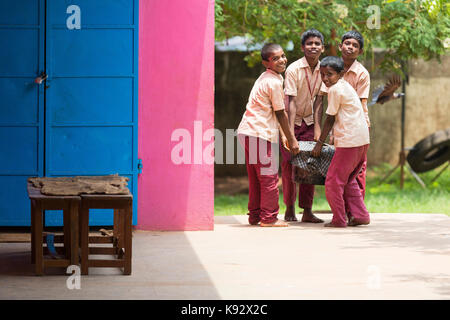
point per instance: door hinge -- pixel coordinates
(139, 166)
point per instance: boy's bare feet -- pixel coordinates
(277, 223)
(308, 216)
(289, 215)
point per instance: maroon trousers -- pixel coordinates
(341, 189)
(263, 192)
(306, 191)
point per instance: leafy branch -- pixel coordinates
(408, 29)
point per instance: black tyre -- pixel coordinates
(430, 152)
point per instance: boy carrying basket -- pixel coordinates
(258, 133)
(345, 115)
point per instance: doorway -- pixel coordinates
(82, 118)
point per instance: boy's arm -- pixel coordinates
(284, 141)
(329, 122)
(291, 110)
(334, 103)
(366, 111)
(290, 91)
(362, 89)
(284, 124)
(318, 112)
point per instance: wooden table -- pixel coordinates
(121, 239)
(70, 206)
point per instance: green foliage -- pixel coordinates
(408, 28)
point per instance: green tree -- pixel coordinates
(407, 29)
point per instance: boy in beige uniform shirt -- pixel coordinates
(301, 87)
(258, 133)
(345, 114)
(358, 77)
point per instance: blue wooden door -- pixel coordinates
(22, 38)
(91, 106)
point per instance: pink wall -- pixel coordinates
(176, 83)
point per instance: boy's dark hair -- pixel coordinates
(336, 63)
(311, 33)
(353, 34)
(267, 50)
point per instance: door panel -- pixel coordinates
(22, 32)
(21, 12)
(19, 97)
(90, 150)
(22, 46)
(83, 105)
(92, 52)
(87, 124)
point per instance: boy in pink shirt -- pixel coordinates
(258, 133)
(345, 114)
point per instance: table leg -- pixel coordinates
(84, 239)
(74, 207)
(118, 231)
(33, 226)
(127, 238)
(39, 254)
(66, 230)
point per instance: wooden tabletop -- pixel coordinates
(35, 193)
(92, 187)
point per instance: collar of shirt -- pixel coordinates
(275, 73)
(354, 67)
(339, 83)
(304, 64)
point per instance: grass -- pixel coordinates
(386, 197)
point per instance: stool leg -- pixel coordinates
(66, 230)
(127, 238)
(33, 226)
(74, 207)
(84, 239)
(118, 230)
(39, 253)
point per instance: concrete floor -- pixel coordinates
(398, 256)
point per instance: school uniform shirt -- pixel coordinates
(266, 97)
(350, 127)
(303, 85)
(359, 79)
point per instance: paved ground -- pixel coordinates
(398, 256)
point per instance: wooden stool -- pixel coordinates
(121, 238)
(70, 206)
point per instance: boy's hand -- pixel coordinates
(295, 148)
(317, 150)
(284, 143)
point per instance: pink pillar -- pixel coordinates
(176, 83)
